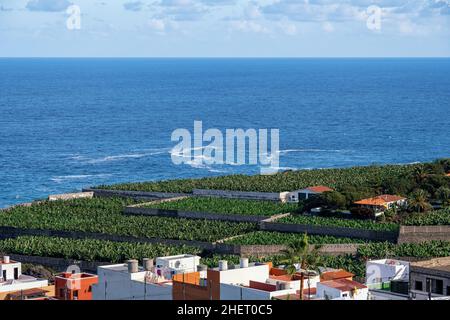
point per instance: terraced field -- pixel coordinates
(226, 206)
(359, 177)
(89, 249)
(104, 215)
(337, 222)
(438, 217)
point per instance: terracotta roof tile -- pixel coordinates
(319, 189)
(344, 284)
(334, 275)
(380, 200)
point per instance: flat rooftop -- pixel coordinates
(238, 266)
(177, 257)
(440, 264)
(123, 267)
(10, 261)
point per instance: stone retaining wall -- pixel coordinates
(134, 194)
(70, 196)
(134, 210)
(58, 264)
(250, 195)
(423, 233)
(258, 250)
(331, 231)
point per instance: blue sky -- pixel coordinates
(225, 28)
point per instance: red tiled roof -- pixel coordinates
(344, 284)
(335, 275)
(380, 200)
(319, 189)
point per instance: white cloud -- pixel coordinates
(161, 26)
(288, 28)
(249, 26)
(327, 27)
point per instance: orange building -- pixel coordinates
(74, 286)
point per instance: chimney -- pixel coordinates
(147, 263)
(243, 262)
(132, 266)
(223, 265)
(6, 259)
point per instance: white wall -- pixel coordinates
(233, 292)
(24, 285)
(244, 275)
(9, 268)
(378, 271)
(116, 285)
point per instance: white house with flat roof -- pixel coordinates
(384, 271)
(12, 279)
(171, 265)
(129, 281)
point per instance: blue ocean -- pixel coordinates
(66, 124)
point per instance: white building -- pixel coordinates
(383, 271)
(12, 279)
(304, 194)
(254, 282)
(342, 289)
(128, 281)
(171, 265)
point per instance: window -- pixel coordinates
(75, 294)
(16, 273)
(90, 289)
(4, 275)
(448, 290)
(418, 285)
(435, 286)
(344, 295)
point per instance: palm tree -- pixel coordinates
(419, 174)
(299, 252)
(418, 201)
(443, 194)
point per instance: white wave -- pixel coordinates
(286, 151)
(119, 157)
(59, 179)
